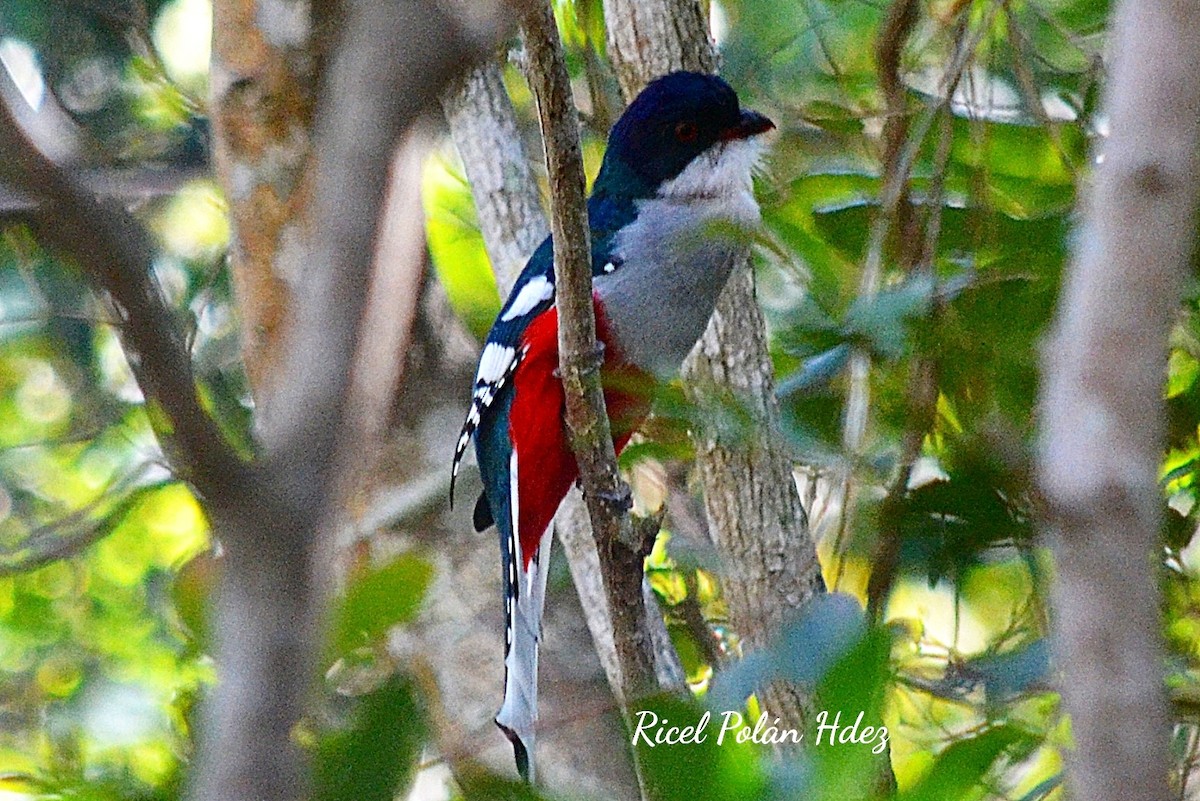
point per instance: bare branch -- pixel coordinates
(397, 274)
(608, 497)
(893, 37)
(917, 256)
(1103, 418)
(902, 143)
(126, 185)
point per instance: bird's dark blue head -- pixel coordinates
(674, 119)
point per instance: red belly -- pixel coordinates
(546, 467)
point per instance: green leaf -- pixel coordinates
(807, 647)
(379, 600)
(883, 321)
(961, 768)
(477, 785)
(456, 246)
(1010, 673)
(374, 756)
(717, 767)
(853, 687)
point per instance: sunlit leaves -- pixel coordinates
(959, 771)
(456, 247)
(675, 764)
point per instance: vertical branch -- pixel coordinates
(893, 36)
(1102, 405)
(389, 319)
(580, 357)
(754, 510)
(917, 256)
(483, 124)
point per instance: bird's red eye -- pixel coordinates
(686, 132)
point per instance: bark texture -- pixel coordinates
(264, 91)
(1102, 408)
(755, 515)
(484, 128)
(649, 39)
(753, 507)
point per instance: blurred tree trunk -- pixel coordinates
(754, 511)
(1103, 420)
(263, 104)
(307, 175)
(263, 100)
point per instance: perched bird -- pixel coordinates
(669, 213)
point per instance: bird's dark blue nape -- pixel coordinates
(674, 119)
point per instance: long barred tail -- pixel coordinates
(523, 629)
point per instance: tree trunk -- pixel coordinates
(1102, 406)
(313, 261)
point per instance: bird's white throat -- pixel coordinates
(723, 172)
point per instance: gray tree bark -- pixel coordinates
(484, 128)
(1102, 409)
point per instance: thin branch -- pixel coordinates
(896, 175)
(77, 531)
(898, 26)
(921, 393)
(124, 184)
(608, 497)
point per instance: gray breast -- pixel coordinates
(674, 261)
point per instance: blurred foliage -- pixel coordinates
(105, 563)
